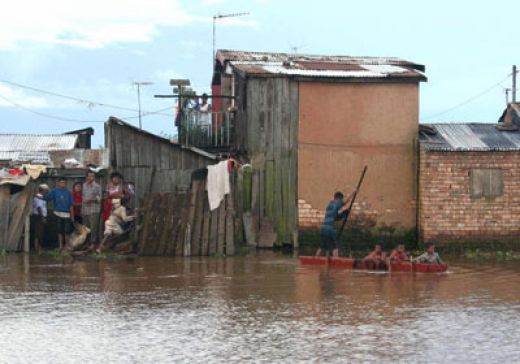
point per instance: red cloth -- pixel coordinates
(77, 199)
(107, 209)
(230, 166)
(15, 172)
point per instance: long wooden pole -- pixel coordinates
(347, 214)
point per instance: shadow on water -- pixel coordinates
(260, 307)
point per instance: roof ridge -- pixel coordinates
(392, 58)
(39, 135)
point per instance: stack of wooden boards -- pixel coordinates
(181, 224)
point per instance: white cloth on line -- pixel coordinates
(218, 184)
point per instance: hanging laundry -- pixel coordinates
(72, 163)
(218, 184)
(34, 170)
(15, 172)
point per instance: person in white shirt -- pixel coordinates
(39, 217)
(205, 112)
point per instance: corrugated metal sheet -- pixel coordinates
(34, 148)
(26, 157)
(469, 137)
(314, 66)
(36, 143)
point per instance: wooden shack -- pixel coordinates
(308, 124)
(153, 163)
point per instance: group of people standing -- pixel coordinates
(87, 204)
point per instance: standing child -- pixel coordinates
(77, 200)
(39, 217)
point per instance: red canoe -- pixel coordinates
(430, 268)
(313, 260)
(349, 263)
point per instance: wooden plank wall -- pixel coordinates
(151, 162)
(268, 128)
(180, 223)
(5, 199)
(14, 209)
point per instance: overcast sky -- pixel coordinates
(93, 50)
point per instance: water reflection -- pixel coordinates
(262, 308)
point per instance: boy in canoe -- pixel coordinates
(336, 210)
(376, 259)
(399, 254)
(430, 256)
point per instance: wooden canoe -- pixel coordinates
(349, 263)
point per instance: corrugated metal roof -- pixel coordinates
(34, 148)
(314, 66)
(36, 143)
(469, 137)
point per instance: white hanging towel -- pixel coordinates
(218, 184)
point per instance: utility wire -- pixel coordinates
(47, 115)
(84, 101)
(467, 101)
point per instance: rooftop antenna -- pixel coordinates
(139, 84)
(294, 49)
(513, 91)
(217, 17)
(506, 90)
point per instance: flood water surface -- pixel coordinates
(264, 308)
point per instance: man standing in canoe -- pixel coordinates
(430, 256)
(336, 210)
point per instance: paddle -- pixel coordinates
(347, 214)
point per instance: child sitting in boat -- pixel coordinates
(399, 254)
(376, 259)
(430, 256)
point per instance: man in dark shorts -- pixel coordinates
(335, 211)
(63, 208)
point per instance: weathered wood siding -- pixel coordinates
(267, 129)
(153, 163)
(182, 224)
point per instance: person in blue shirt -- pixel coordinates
(61, 199)
(336, 210)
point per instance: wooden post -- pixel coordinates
(5, 198)
(27, 235)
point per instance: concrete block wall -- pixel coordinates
(447, 212)
(308, 216)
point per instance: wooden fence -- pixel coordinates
(181, 223)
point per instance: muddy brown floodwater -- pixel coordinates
(263, 308)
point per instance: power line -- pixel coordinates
(90, 103)
(45, 115)
(49, 116)
(467, 101)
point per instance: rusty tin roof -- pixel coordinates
(320, 66)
